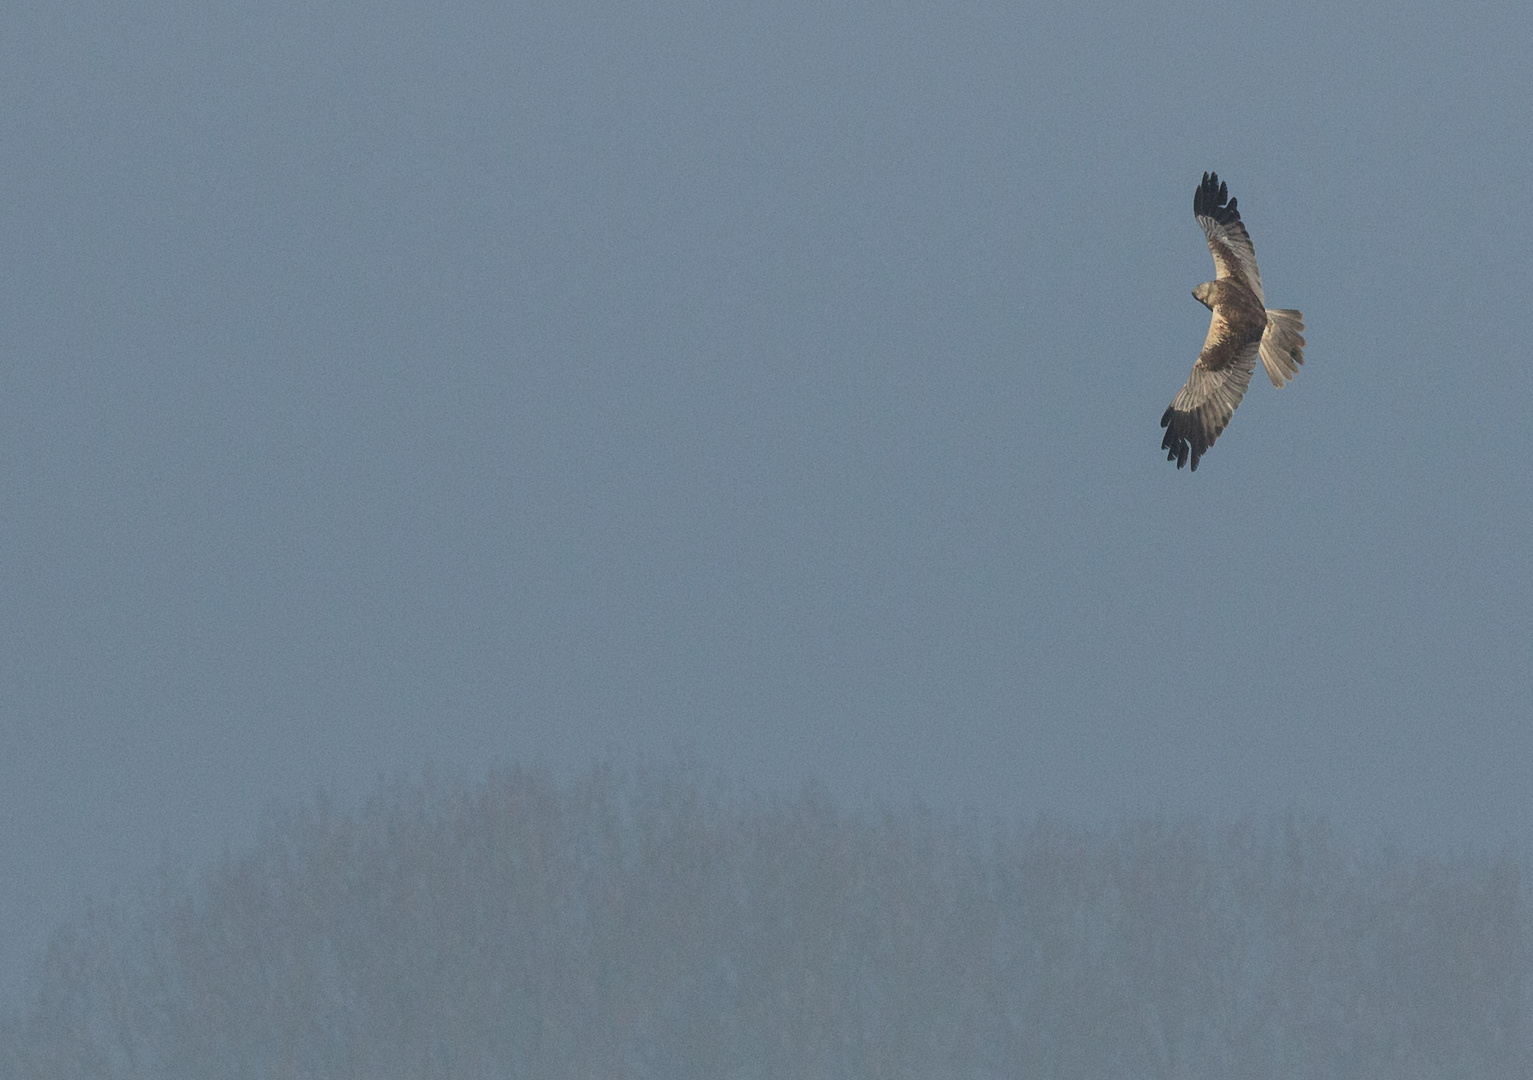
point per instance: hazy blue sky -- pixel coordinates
(776, 383)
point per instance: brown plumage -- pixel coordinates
(1241, 331)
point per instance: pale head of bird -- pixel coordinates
(1204, 294)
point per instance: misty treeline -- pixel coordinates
(646, 924)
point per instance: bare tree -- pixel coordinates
(641, 924)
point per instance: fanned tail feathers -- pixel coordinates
(1282, 348)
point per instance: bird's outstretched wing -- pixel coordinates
(1203, 407)
(1234, 256)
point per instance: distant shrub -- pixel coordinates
(635, 925)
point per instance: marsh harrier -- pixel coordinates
(1241, 330)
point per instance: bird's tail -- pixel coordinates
(1282, 347)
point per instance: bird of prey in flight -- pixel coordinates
(1242, 329)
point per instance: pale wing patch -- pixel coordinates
(1203, 407)
(1233, 254)
(1210, 355)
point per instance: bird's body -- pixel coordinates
(1241, 331)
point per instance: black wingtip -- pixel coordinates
(1185, 442)
(1210, 198)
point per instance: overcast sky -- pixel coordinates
(776, 384)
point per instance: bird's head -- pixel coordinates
(1204, 294)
